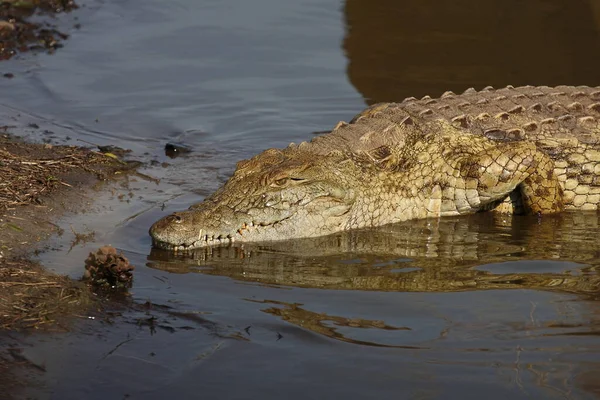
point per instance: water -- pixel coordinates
(469, 307)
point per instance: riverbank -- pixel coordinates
(19, 34)
(40, 184)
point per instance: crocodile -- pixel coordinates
(519, 150)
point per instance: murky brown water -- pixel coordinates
(478, 307)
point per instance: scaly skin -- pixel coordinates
(516, 150)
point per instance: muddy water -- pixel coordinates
(470, 307)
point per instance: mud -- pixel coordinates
(40, 183)
(18, 34)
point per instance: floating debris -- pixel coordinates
(107, 269)
(174, 150)
(109, 149)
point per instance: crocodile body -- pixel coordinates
(516, 150)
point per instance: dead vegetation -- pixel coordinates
(38, 184)
(80, 238)
(108, 270)
(31, 172)
(32, 298)
(35, 180)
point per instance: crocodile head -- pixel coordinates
(277, 195)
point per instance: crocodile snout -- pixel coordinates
(166, 222)
(168, 228)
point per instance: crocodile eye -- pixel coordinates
(286, 181)
(281, 182)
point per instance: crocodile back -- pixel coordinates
(562, 121)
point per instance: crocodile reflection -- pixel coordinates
(423, 255)
(316, 322)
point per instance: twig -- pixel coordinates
(51, 284)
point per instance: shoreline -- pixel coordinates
(18, 34)
(41, 184)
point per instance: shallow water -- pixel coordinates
(473, 307)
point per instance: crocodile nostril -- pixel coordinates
(175, 218)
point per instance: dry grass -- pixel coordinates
(30, 174)
(27, 177)
(31, 297)
(38, 184)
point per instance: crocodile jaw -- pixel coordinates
(205, 225)
(175, 232)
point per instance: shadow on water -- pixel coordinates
(483, 251)
(407, 48)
